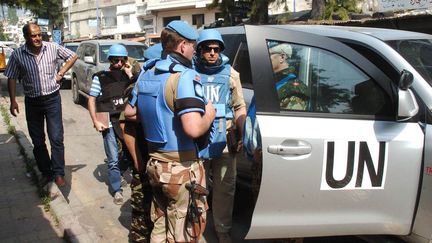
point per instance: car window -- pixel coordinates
(72, 48)
(80, 51)
(241, 64)
(90, 50)
(316, 80)
(136, 51)
(417, 53)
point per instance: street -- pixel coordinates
(87, 186)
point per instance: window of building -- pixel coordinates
(218, 16)
(198, 20)
(126, 19)
(166, 20)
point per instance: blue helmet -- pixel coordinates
(154, 51)
(117, 50)
(183, 29)
(211, 35)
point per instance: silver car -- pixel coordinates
(92, 58)
(355, 159)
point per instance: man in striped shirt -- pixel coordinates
(35, 64)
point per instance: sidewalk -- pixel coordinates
(23, 217)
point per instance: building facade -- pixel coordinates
(122, 19)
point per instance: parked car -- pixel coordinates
(356, 159)
(10, 44)
(67, 77)
(92, 58)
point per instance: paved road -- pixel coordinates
(87, 187)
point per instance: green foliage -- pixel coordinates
(12, 16)
(47, 9)
(226, 7)
(3, 36)
(340, 9)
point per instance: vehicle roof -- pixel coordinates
(111, 42)
(351, 32)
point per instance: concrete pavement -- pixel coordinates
(23, 216)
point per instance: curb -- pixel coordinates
(73, 231)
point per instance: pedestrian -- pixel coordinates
(174, 115)
(222, 86)
(35, 64)
(141, 194)
(106, 97)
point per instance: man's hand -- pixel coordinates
(59, 77)
(210, 111)
(14, 107)
(99, 126)
(128, 70)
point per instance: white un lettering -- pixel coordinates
(212, 93)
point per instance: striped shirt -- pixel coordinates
(37, 72)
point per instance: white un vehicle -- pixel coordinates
(356, 159)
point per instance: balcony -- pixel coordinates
(176, 4)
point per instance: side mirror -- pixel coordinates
(406, 79)
(89, 59)
(407, 104)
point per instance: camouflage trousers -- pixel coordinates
(141, 198)
(170, 210)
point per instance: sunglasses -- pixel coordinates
(116, 60)
(209, 49)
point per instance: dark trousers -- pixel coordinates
(38, 110)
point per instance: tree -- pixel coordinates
(333, 9)
(318, 9)
(48, 9)
(340, 9)
(12, 15)
(3, 36)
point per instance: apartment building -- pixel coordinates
(132, 18)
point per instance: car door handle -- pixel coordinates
(290, 148)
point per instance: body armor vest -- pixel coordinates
(162, 128)
(217, 89)
(113, 83)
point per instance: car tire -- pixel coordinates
(75, 92)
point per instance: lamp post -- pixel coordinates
(69, 19)
(97, 19)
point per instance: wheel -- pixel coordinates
(75, 93)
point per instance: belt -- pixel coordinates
(43, 97)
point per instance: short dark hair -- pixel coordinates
(170, 40)
(26, 29)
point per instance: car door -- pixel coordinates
(335, 160)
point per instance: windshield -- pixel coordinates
(418, 53)
(72, 48)
(134, 51)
